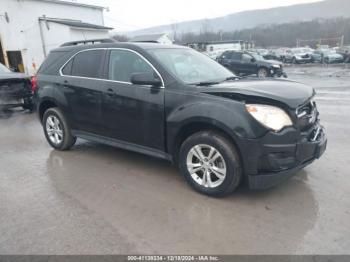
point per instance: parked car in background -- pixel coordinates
(261, 51)
(214, 54)
(327, 56)
(177, 104)
(298, 56)
(272, 55)
(15, 90)
(345, 52)
(246, 63)
(317, 56)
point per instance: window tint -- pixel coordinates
(122, 64)
(67, 69)
(87, 64)
(53, 63)
(236, 56)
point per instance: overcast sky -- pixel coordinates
(129, 15)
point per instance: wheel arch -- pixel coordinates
(193, 127)
(45, 105)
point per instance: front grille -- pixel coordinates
(307, 115)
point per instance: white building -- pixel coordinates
(153, 38)
(29, 29)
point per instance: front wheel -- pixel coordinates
(210, 164)
(56, 129)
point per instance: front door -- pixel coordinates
(249, 65)
(132, 113)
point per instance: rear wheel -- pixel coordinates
(210, 164)
(56, 129)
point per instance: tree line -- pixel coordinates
(270, 35)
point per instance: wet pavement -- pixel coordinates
(97, 199)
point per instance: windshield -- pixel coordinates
(190, 66)
(4, 69)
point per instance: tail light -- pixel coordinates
(34, 82)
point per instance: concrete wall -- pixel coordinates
(22, 31)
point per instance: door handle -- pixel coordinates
(110, 92)
(65, 84)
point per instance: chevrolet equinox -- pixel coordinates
(177, 104)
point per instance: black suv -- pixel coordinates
(174, 103)
(245, 63)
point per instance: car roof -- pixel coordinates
(129, 45)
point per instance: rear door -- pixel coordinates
(82, 89)
(235, 62)
(132, 113)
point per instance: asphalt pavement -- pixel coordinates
(97, 199)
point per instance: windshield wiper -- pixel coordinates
(206, 83)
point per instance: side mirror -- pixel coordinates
(147, 79)
(253, 60)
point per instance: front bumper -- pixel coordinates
(274, 158)
(274, 71)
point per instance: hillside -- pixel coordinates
(250, 19)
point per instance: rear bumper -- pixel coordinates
(270, 160)
(11, 101)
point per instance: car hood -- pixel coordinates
(290, 93)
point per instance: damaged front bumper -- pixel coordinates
(274, 158)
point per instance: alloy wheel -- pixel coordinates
(54, 129)
(206, 166)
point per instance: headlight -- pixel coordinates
(270, 116)
(276, 66)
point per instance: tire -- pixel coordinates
(205, 141)
(55, 121)
(263, 72)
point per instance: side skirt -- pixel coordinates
(123, 145)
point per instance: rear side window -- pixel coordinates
(67, 70)
(85, 64)
(53, 62)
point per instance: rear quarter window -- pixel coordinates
(53, 62)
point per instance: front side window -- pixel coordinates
(85, 64)
(246, 58)
(190, 66)
(123, 64)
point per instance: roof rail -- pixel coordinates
(90, 41)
